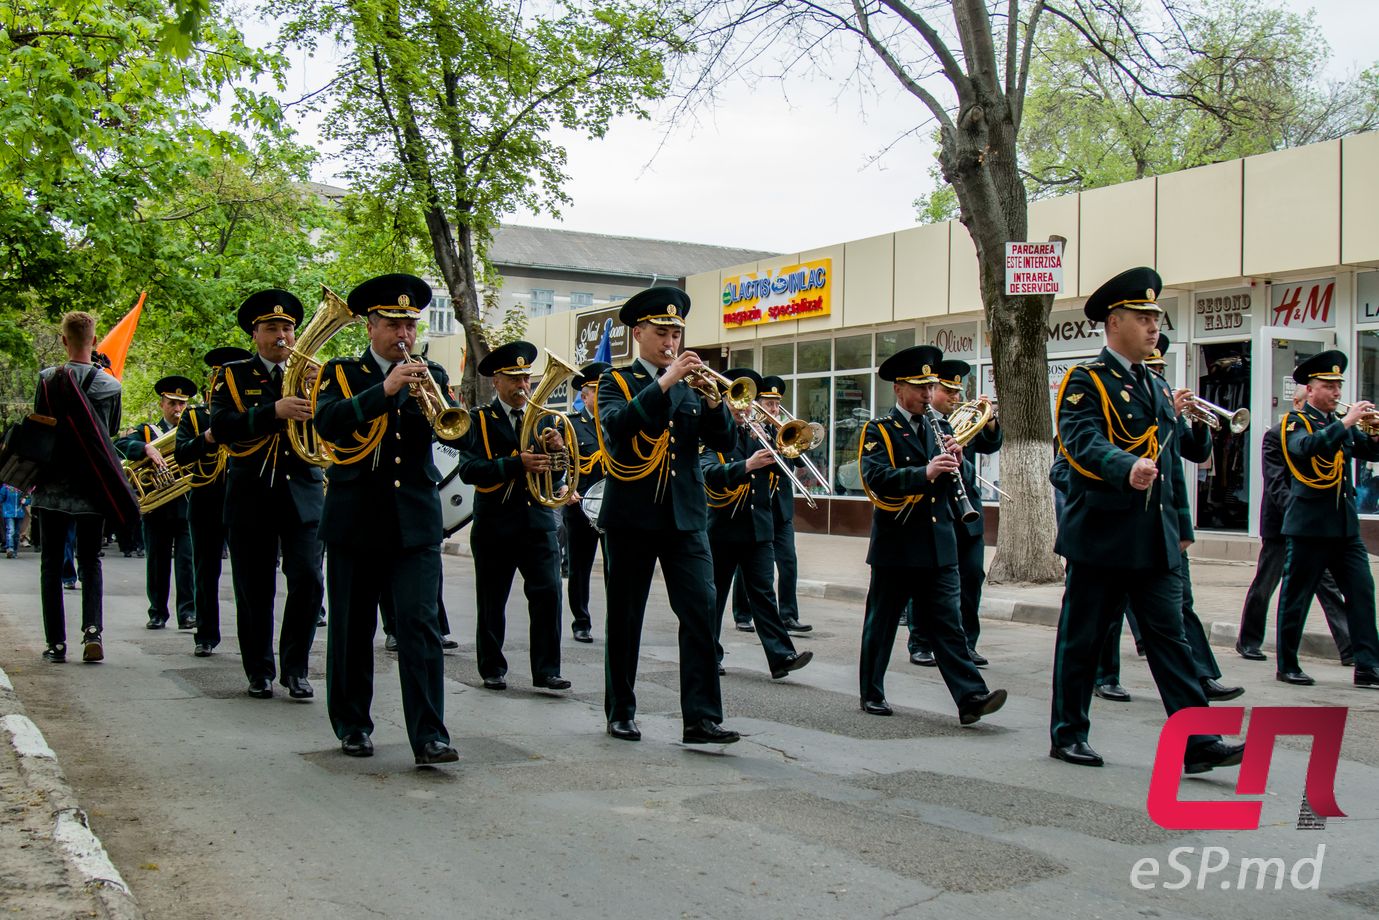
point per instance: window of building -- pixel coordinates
(1366, 371)
(742, 357)
(581, 299)
(542, 302)
(852, 351)
(815, 356)
(888, 343)
(440, 318)
(778, 359)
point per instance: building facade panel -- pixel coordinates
(964, 286)
(1359, 194)
(868, 295)
(1292, 210)
(1059, 217)
(1117, 231)
(921, 272)
(1188, 247)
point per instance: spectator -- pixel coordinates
(12, 507)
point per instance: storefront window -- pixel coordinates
(814, 356)
(778, 360)
(742, 357)
(852, 351)
(1223, 480)
(888, 343)
(1366, 371)
(812, 403)
(851, 410)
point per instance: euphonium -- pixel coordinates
(542, 485)
(330, 317)
(156, 487)
(449, 422)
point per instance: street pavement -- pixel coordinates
(212, 804)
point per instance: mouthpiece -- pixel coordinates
(668, 352)
(281, 342)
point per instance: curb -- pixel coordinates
(71, 831)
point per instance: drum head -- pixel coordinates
(457, 498)
(592, 501)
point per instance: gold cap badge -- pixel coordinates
(521, 361)
(1149, 294)
(1335, 368)
(926, 370)
(670, 309)
(403, 300)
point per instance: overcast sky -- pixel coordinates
(765, 171)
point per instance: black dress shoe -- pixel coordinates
(582, 635)
(977, 658)
(722, 670)
(495, 683)
(1347, 661)
(357, 744)
(156, 623)
(745, 626)
(433, 752)
(924, 658)
(793, 663)
(795, 626)
(448, 643)
(1297, 678)
(1114, 693)
(625, 730)
(261, 688)
(1216, 754)
(551, 682)
(708, 732)
(877, 708)
(299, 688)
(320, 619)
(1367, 678)
(980, 704)
(202, 650)
(1250, 652)
(186, 624)
(1218, 692)
(1080, 754)
(390, 643)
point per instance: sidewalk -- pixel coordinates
(54, 865)
(836, 567)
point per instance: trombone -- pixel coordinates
(795, 436)
(1211, 414)
(766, 440)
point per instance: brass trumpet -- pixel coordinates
(449, 422)
(741, 394)
(1368, 423)
(1211, 414)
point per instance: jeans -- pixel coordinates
(88, 530)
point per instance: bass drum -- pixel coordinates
(591, 501)
(457, 498)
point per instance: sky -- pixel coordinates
(779, 167)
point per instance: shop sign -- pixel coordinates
(1303, 305)
(955, 340)
(589, 329)
(1034, 268)
(1367, 288)
(1222, 312)
(790, 293)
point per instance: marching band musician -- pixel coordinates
(197, 449)
(382, 521)
(512, 532)
(273, 497)
(579, 531)
(1320, 522)
(783, 518)
(166, 538)
(1120, 529)
(909, 474)
(742, 536)
(971, 536)
(652, 424)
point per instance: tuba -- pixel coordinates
(542, 485)
(330, 317)
(156, 487)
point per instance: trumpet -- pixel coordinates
(449, 422)
(1211, 415)
(1368, 423)
(741, 394)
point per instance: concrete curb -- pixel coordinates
(71, 831)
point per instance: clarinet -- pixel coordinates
(940, 427)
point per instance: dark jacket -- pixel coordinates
(206, 500)
(85, 475)
(1105, 521)
(985, 441)
(1328, 511)
(489, 462)
(893, 467)
(586, 432)
(740, 502)
(640, 420)
(1278, 486)
(132, 447)
(267, 475)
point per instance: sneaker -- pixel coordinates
(91, 648)
(56, 653)
(70, 585)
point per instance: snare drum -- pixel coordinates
(457, 498)
(591, 501)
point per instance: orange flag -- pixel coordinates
(115, 345)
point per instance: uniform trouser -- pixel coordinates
(1268, 573)
(387, 608)
(972, 575)
(254, 543)
(358, 580)
(787, 573)
(168, 544)
(582, 540)
(1346, 559)
(687, 566)
(933, 594)
(1093, 598)
(537, 557)
(90, 531)
(754, 565)
(1193, 631)
(1108, 665)
(208, 541)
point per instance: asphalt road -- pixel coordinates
(216, 805)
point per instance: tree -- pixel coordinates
(446, 108)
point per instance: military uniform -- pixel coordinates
(511, 532)
(1322, 529)
(167, 540)
(580, 534)
(206, 506)
(382, 524)
(273, 501)
(655, 510)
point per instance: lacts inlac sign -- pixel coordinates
(792, 292)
